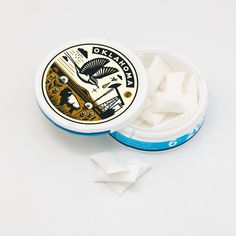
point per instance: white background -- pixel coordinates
(46, 186)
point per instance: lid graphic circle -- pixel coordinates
(90, 87)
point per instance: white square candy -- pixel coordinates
(108, 163)
(156, 73)
(117, 175)
(174, 82)
(172, 103)
(150, 117)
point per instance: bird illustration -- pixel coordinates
(92, 70)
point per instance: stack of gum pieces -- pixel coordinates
(119, 176)
(173, 94)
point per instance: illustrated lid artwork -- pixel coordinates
(89, 83)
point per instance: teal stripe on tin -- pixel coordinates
(156, 146)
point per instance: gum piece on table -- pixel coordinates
(127, 176)
(121, 187)
(108, 163)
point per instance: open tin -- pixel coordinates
(94, 87)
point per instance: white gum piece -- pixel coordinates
(127, 176)
(172, 120)
(172, 103)
(143, 167)
(174, 82)
(118, 187)
(162, 86)
(192, 89)
(146, 115)
(148, 103)
(156, 73)
(146, 59)
(150, 117)
(170, 116)
(157, 118)
(108, 163)
(121, 187)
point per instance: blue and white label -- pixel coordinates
(156, 146)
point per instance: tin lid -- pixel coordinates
(91, 86)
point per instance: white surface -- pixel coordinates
(45, 175)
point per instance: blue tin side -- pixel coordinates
(76, 133)
(156, 146)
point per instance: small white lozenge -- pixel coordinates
(172, 103)
(156, 73)
(148, 103)
(174, 82)
(117, 174)
(151, 117)
(191, 89)
(146, 59)
(127, 176)
(108, 163)
(119, 186)
(137, 122)
(172, 119)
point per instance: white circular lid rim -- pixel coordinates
(110, 126)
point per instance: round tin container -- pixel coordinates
(161, 138)
(96, 87)
(91, 87)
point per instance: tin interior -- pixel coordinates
(176, 63)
